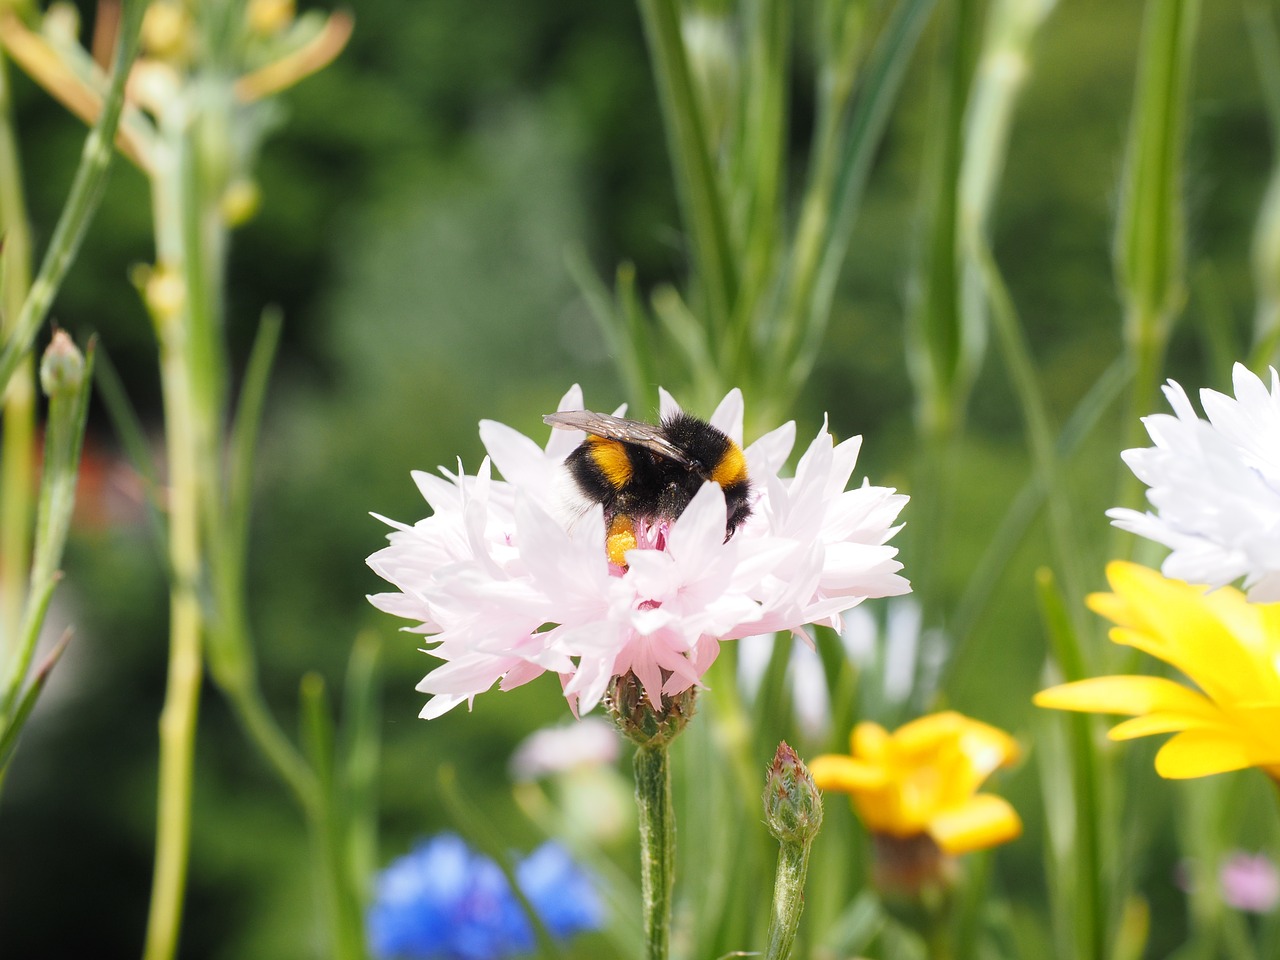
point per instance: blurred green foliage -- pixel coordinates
(420, 197)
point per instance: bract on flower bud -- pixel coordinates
(636, 716)
(61, 367)
(792, 803)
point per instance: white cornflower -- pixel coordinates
(1214, 486)
(507, 586)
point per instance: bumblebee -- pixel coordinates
(643, 471)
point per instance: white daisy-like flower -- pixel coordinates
(1214, 486)
(507, 585)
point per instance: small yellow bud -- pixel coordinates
(166, 30)
(163, 290)
(240, 202)
(268, 17)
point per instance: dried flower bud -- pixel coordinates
(61, 367)
(792, 803)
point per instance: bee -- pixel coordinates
(642, 472)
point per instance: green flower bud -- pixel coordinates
(62, 367)
(637, 718)
(792, 803)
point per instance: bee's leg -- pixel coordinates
(620, 538)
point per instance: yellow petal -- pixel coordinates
(924, 733)
(869, 741)
(1199, 753)
(1154, 723)
(983, 821)
(846, 774)
(1193, 630)
(1128, 695)
(883, 811)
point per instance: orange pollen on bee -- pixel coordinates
(732, 467)
(620, 539)
(610, 456)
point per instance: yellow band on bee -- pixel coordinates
(612, 459)
(732, 467)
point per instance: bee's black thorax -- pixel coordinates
(631, 479)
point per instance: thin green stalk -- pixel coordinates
(802, 336)
(1026, 506)
(1040, 435)
(82, 203)
(480, 831)
(186, 627)
(1092, 895)
(940, 358)
(699, 193)
(1150, 231)
(17, 459)
(657, 846)
(761, 159)
(65, 375)
(187, 435)
(329, 834)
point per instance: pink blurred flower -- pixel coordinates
(509, 584)
(1249, 882)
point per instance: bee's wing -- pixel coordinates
(638, 432)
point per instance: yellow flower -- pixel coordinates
(1228, 647)
(922, 780)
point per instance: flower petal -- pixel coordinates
(846, 774)
(985, 820)
(1199, 753)
(1127, 695)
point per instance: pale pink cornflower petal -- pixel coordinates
(728, 416)
(588, 742)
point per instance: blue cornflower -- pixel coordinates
(444, 902)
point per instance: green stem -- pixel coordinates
(17, 464)
(788, 898)
(862, 135)
(263, 731)
(699, 193)
(1040, 434)
(182, 693)
(328, 825)
(657, 846)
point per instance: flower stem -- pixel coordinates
(17, 465)
(657, 846)
(182, 693)
(788, 898)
